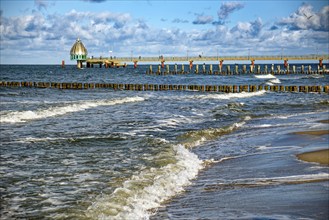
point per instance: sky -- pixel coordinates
(43, 31)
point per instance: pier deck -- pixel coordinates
(217, 58)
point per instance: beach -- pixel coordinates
(320, 156)
(267, 184)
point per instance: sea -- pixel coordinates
(119, 154)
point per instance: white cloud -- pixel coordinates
(305, 18)
(42, 34)
(203, 19)
(178, 20)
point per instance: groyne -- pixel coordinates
(168, 87)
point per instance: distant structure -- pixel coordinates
(79, 53)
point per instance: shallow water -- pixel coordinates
(104, 154)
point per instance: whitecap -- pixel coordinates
(24, 116)
(275, 81)
(267, 76)
(231, 95)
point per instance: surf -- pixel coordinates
(25, 116)
(267, 76)
(230, 95)
(195, 138)
(143, 193)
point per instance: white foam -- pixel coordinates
(231, 95)
(173, 122)
(24, 116)
(316, 76)
(143, 193)
(286, 116)
(55, 139)
(267, 76)
(275, 81)
(201, 136)
(289, 179)
(263, 148)
(295, 179)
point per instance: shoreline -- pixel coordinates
(315, 132)
(317, 156)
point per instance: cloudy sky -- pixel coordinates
(43, 31)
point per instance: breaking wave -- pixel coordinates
(267, 76)
(143, 193)
(195, 138)
(24, 116)
(230, 95)
(273, 81)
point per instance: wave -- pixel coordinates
(261, 182)
(267, 76)
(273, 81)
(24, 116)
(116, 136)
(313, 76)
(173, 122)
(195, 138)
(142, 194)
(230, 95)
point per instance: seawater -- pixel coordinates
(105, 154)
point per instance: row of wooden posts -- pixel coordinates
(157, 87)
(255, 69)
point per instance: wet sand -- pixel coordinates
(320, 156)
(315, 133)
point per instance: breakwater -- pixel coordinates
(166, 87)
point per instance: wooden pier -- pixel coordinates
(116, 62)
(219, 58)
(106, 62)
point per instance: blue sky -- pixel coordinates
(42, 32)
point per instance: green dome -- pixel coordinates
(78, 51)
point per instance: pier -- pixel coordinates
(116, 62)
(235, 69)
(79, 53)
(106, 62)
(219, 58)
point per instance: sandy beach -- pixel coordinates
(319, 156)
